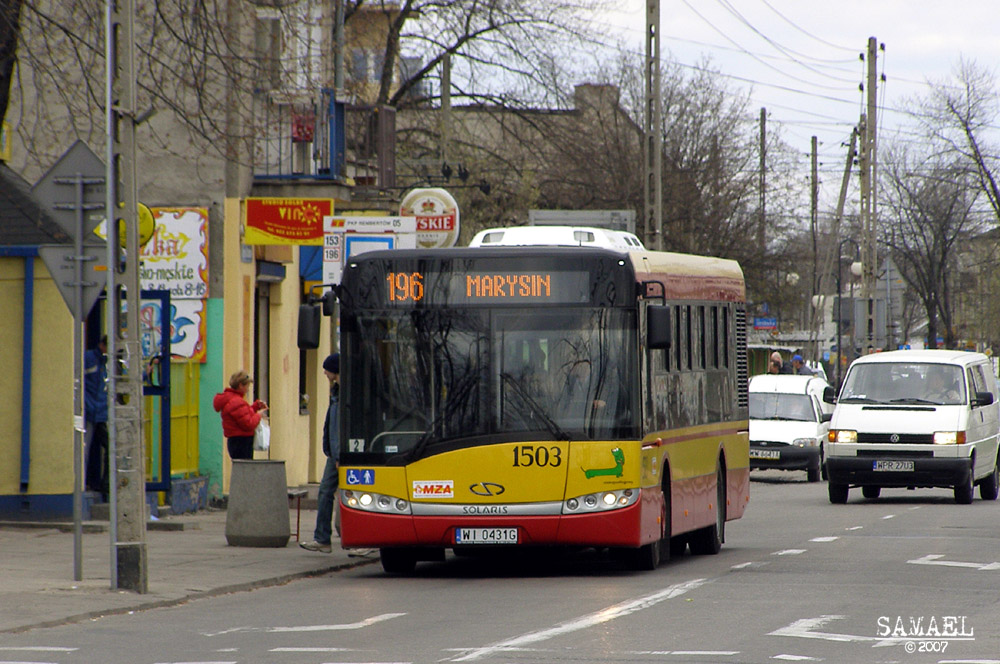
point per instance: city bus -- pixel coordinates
(541, 397)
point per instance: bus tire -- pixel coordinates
(398, 561)
(708, 541)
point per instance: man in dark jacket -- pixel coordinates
(331, 448)
(95, 383)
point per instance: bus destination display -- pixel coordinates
(420, 288)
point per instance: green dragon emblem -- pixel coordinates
(615, 470)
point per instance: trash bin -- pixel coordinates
(257, 514)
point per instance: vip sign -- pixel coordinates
(437, 216)
(285, 220)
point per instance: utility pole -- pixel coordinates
(445, 106)
(814, 230)
(652, 132)
(127, 467)
(761, 228)
(869, 252)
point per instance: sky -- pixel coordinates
(800, 58)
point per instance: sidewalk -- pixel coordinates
(186, 557)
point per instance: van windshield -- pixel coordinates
(771, 406)
(904, 383)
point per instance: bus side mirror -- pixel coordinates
(830, 395)
(657, 327)
(329, 300)
(308, 332)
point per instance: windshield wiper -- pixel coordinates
(914, 400)
(553, 428)
(858, 400)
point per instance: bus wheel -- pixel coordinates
(708, 541)
(647, 558)
(398, 561)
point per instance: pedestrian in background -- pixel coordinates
(774, 363)
(239, 418)
(326, 498)
(799, 367)
(95, 398)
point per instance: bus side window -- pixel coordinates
(725, 336)
(714, 325)
(702, 340)
(678, 340)
(688, 340)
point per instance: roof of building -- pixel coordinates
(22, 220)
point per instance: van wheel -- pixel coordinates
(838, 493)
(964, 492)
(990, 487)
(871, 491)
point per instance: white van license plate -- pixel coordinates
(765, 454)
(893, 466)
(486, 536)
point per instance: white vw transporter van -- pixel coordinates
(921, 418)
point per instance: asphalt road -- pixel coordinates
(910, 577)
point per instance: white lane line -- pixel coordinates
(311, 650)
(854, 528)
(889, 516)
(38, 648)
(682, 653)
(969, 661)
(742, 565)
(797, 658)
(583, 622)
(4, 661)
(199, 662)
(788, 552)
(825, 539)
(327, 628)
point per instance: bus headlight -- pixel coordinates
(842, 436)
(949, 437)
(600, 502)
(370, 501)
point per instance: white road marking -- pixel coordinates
(855, 528)
(4, 661)
(889, 516)
(197, 662)
(797, 658)
(969, 661)
(327, 628)
(309, 628)
(935, 559)
(742, 565)
(682, 653)
(38, 648)
(788, 552)
(831, 538)
(583, 622)
(804, 629)
(311, 649)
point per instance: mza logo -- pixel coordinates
(433, 489)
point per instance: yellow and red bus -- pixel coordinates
(541, 396)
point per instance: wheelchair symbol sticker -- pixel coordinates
(360, 476)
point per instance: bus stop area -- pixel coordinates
(188, 558)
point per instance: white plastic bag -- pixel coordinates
(262, 436)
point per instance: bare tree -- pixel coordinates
(960, 115)
(928, 206)
(10, 26)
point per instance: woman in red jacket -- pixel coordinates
(239, 418)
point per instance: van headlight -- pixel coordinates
(949, 437)
(369, 501)
(842, 436)
(804, 442)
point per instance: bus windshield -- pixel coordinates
(430, 380)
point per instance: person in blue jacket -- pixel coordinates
(95, 402)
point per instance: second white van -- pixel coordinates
(924, 418)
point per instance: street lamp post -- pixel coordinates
(840, 306)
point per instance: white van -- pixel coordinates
(788, 423)
(920, 418)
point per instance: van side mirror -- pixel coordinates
(308, 331)
(829, 395)
(826, 417)
(982, 399)
(657, 327)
